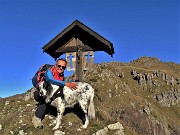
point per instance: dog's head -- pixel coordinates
(42, 89)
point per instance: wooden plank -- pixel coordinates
(64, 49)
(71, 42)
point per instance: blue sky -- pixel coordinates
(135, 27)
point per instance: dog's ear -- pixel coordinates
(49, 87)
(45, 85)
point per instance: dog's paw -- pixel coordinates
(84, 126)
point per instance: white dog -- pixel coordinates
(83, 95)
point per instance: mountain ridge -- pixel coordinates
(143, 95)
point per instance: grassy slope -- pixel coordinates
(117, 98)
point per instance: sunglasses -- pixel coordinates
(63, 67)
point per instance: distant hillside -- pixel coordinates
(142, 96)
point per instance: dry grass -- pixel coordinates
(118, 97)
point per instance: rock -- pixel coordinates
(148, 79)
(169, 98)
(110, 95)
(58, 132)
(70, 123)
(6, 103)
(79, 129)
(134, 74)
(20, 121)
(156, 83)
(163, 76)
(156, 73)
(119, 132)
(21, 132)
(142, 79)
(103, 131)
(1, 128)
(33, 110)
(170, 80)
(11, 132)
(28, 105)
(116, 86)
(147, 109)
(120, 75)
(115, 126)
(159, 127)
(159, 97)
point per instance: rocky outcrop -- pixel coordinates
(167, 78)
(28, 95)
(144, 80)
(147, 80)
(169, 98)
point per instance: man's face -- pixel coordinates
(60, 66)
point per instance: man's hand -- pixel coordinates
(71, 85)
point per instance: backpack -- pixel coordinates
(39, 76)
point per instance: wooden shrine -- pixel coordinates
(79, 43)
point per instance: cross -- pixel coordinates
(88, 56)
(70, 57)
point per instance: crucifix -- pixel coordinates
(88, 56)
(70, 57)
(88, 60)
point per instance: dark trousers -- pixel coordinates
(42, 107)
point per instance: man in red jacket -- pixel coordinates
(54, 75)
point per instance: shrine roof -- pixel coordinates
(79, 31)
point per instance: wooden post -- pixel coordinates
(79, 73)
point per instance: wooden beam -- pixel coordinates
(79, 73)
(64, 49)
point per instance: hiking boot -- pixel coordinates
(37, 122)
